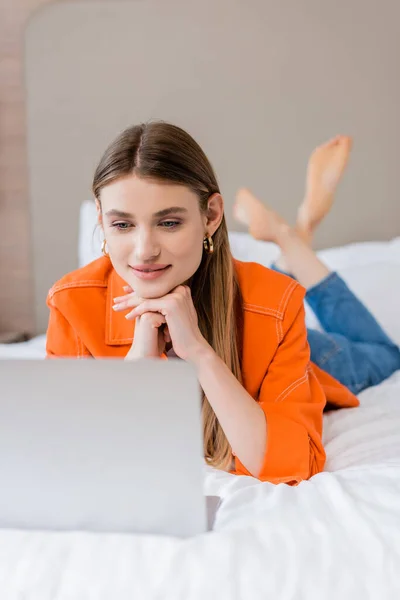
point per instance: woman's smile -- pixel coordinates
(150, 271)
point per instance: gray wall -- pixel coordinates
(258, 83)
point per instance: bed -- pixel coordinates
(337, 535)
(334, 536)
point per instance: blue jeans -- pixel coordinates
(353, 347)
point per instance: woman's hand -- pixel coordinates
(178, 311)
(150, 337)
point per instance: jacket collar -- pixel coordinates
(118, 331)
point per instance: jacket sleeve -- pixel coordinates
(61, 340)
(293, 402)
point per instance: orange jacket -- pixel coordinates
(276, 364)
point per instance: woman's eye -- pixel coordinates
(121, 226)
(170, 224)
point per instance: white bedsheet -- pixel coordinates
(34, 348)
(336, 536)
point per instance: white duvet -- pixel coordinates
(336, 536)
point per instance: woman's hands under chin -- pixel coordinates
(177, 310)
(151, 337)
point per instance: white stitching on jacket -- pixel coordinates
(85, 283)
(290, 388)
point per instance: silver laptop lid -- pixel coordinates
(105, 445)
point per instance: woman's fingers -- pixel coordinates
(124, 302)
(128, 293)
(145, 306)
(131, 300)
(153, 319)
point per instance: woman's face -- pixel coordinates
(154, 232)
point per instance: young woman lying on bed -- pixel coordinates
(241, 325)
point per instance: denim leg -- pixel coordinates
(340, 311)
(358, 365)
(353, 348)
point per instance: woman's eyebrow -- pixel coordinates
(168, 211)
(118, 213)
(161, 213)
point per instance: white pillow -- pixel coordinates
(90, 236)
(378, 286)
(370, 269)
(247, 249)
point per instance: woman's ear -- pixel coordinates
(215, 213)
(99, 214)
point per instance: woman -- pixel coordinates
(241, 325)
(353, 348)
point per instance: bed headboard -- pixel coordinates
(257, 83)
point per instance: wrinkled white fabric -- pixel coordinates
(335, 536)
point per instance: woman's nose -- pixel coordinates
(146, 246)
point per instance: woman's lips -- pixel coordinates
(149, 273)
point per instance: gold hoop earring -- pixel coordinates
(104, 249)
(208, 244)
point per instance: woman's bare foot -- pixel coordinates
(325, 169)
(262, 222)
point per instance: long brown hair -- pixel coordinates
(161, 151)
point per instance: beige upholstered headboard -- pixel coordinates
(258, 83)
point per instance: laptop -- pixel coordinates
(102, 445)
